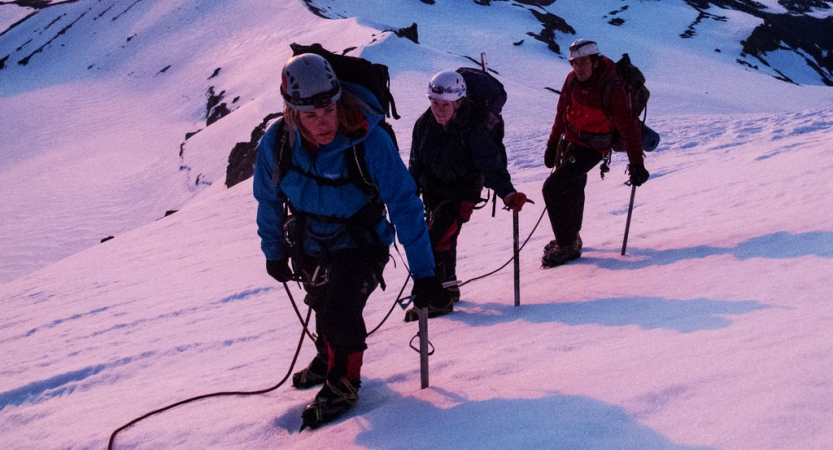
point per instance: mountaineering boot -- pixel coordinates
(554, 255)
(333, 400)
(314, 374)
(446, 270)
(452, 293)
(553, 243)
(411, 315)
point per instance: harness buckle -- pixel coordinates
(319, 277)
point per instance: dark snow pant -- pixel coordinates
(445, 220)
(564, 193)
(338, 297)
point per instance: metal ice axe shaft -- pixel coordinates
(423, 346)
(628, 223)
(517, 258)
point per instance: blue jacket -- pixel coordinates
(396, 189)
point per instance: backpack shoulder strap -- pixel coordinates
(283, 152)
(609, 82)
(357, 169)
(354, 158)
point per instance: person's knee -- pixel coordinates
(557, 185)
(549, 188)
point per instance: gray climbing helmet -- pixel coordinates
(308, 82)
(583, 47)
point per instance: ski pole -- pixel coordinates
(517, 255)
(628, 223)
(423, 346)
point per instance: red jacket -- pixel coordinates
(580, 106)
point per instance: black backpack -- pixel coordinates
(486, 95)
(629, 76)
(373, 76)
(376, 79)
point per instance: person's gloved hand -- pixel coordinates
(279, 269)
(551, 153)
(515, 201)
(427, 290)
(638, 174)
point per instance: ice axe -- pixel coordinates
(628, 223)
(425, 349)
(517, 252)
(424, 353)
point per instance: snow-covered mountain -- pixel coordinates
(180, 66)
(712, 332)
(790, 40)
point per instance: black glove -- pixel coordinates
(638, 174)
(551, 153)
(427, 290)
(279, 269)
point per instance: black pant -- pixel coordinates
(564, 193)
(339, 294)
(445, 220)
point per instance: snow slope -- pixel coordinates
(712, 332)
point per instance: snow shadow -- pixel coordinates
(52, 387)
(73, 317)
(554, 421)
(247, 294)
(63, 384)
(648, 313)
(780, 245)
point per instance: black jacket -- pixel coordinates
(456, 162)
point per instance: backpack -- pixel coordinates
(629, 76)
(376, 79)
(486, 95)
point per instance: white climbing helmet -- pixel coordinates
(309, 82)
(448, 85)
(583, 47)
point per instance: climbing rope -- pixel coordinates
(513, 257)
(305, 322)
(307, 333)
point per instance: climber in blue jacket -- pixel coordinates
(314, 212)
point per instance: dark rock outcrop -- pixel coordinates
(241, 160)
